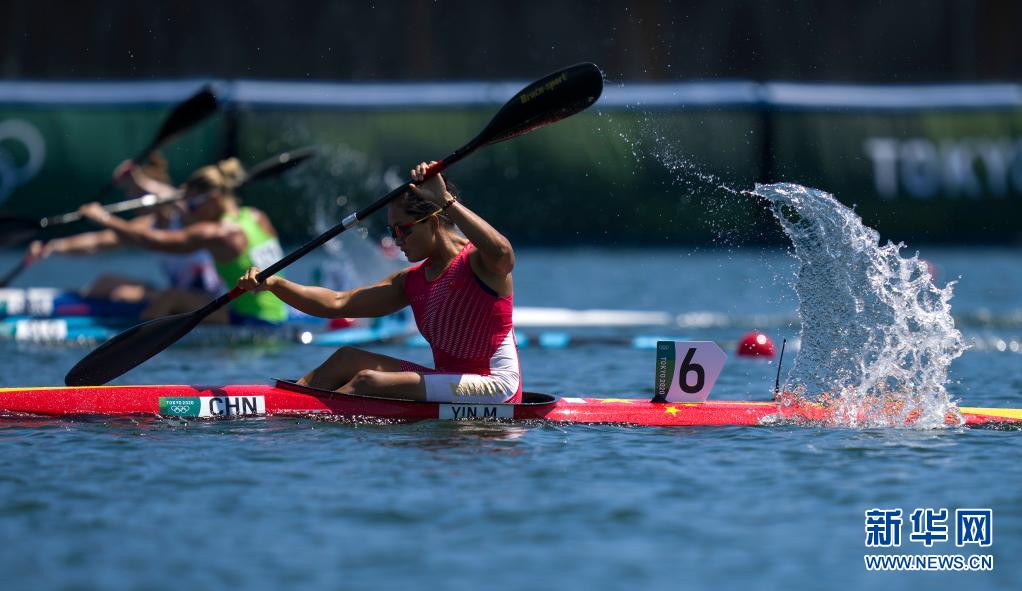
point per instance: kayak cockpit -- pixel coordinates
(529, 399)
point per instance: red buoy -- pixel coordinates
(756, 344)
(338, 323)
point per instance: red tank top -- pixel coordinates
(466, 324)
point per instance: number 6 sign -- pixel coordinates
(686, 371)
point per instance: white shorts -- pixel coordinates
(496, 388)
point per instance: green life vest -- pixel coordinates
(263, 250)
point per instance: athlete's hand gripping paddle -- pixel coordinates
(545, 101)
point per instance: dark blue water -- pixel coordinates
(273, 503)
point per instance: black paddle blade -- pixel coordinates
(192, 111)
(280, 163)
(15, 230)
(130, 348)
(546, 100)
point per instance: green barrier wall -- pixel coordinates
(80, 148)
(577, 181)
(921, 176)
(652, 165)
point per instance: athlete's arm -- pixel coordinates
(85, 243)
(386, 297)
(195, 237)
(495, 254)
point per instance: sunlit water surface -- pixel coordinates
(271, 504)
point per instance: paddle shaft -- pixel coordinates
(147, 200)
(143, 201)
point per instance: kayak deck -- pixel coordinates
(288, 399)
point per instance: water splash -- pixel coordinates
(717, 201)
(650, 141)
(331, 186)
(355, 257)
(877, 334)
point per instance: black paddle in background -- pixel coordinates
(279, 164)
(185, 116)
(545, 101)
(265, 169)
(15, 230)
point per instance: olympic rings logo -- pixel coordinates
(179, 409)
(19, 163)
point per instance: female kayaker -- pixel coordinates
(460, 295)
(237, 237)
(191, 277)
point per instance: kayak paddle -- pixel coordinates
(265, 169)
(185, 116)
(278, 164)
(545, 101)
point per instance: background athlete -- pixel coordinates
(191, 278)
(236, 237)
(461, 296)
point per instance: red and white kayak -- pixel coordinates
(288, 399)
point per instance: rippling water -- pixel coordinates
(269, 504)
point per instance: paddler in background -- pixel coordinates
(191, 277)
(461, 296)
(236, 238)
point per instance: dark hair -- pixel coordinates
(417, 207)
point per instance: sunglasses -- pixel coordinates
(403, 230)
